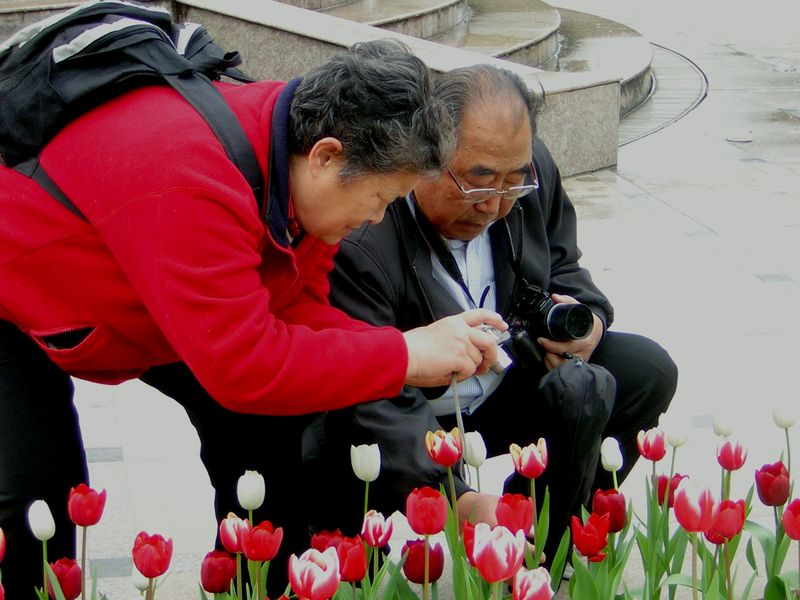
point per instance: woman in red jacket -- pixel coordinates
(178, 278)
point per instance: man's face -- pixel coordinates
(493, 152)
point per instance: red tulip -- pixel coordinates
(444, 448)
(262, 541)
(217, 571)
(673, 485)
(694, 507)
(731, 455)
(652, 444)
(497, 552)
(468, 536)
(414, 566)
(532, 585)
(352, 558)
(791, 519)
(322, 540)
(85, 505)
(231, 532)
(426, 511)
(68, 574)
(2, 544)
(151, 554)
(515, 512)
(531, 460)
(376, 530)
(772, 484)
(611, 503)
(727, 521)
(591, 538)
(315, 575)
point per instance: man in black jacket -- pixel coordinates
(497, 221)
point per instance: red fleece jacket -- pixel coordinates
(175, 264)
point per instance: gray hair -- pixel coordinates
(377, 100)
(488, 86)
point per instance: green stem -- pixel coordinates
(258, 580)
(478, 478)
(537, 543)
(151, 589)
(83, 563)
(497, 592)
(788, 455)
(728, 569)
(452, 482)
(239, 576)
(353, 588)
(366, 496)
(375, 552)
(426, 592)
(44, 566)
(614, 477)
(778, 537)
(693, 535)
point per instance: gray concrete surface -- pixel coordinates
(694, 236)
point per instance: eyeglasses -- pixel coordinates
(478, 195)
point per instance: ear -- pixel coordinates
(324, 154)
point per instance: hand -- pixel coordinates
(454, 344)
(554, 351)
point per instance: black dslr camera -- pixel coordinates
(535, 315)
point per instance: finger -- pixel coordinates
(480, 316)
(563, 299)
(485, 344)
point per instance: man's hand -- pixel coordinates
(554, 351)
(454, 344)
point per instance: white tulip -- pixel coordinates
(782, 416)
(722, 426)
(250, 490)
(366, 461)
(675, 428)
(40, 520)
(474, 449)
(611, 455)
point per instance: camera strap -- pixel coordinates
(439, 248)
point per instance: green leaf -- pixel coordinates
(395, 580)
(582, 584)
(54, 582)
(763, 536)
(776, 589)
(559, 560)
(748, 586)
(750, 555)
(679, 579)
(711, 592)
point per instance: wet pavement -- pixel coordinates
(695, 236)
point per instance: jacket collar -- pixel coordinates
(276, 212)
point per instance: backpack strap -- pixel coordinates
(33, 169)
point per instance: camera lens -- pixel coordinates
(569, 322)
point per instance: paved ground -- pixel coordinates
(694, 236)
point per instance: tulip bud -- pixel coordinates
(727, 521)
(664, 484)
(731, 455)
(366, 461)
(592, 537)
(612, 503)
(791, 519)
(444, 448)
(40, 520)
(474, 449)
(352, 558)
(651, 444)
(315, 575)
(496, 552)
(426, 511)
(68, 575)
(376, 530)
(782, 416)
(772, 484)
(675, 428)
(151, 554)
(85, 505)
(694, 506)
(414, 565)
(515, 513)
(250, 490)
(721, 426)
(322, 540)
(231, 532)
(261, 542)
(217, 571)
(530, 461)
(532, 585)
(611, 455)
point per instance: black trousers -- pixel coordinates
(646, 380)
(42, 456)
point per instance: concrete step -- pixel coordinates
(418, 18)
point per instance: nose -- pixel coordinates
(490, 205)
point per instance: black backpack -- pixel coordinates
(60, 67)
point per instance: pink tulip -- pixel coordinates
(497, 552)
(232, 530)
(791, 519)
(694, 507)
(376, 530)
(315, 575)
(531, 460)
(532, 585)
(651, 443)
(731, 455)
(445, 449)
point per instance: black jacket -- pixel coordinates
(383, 275)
